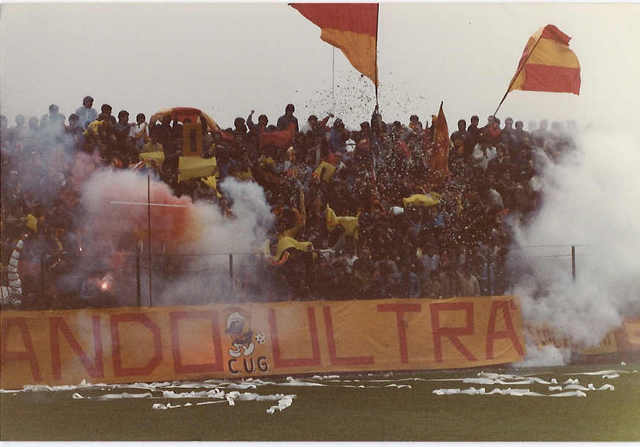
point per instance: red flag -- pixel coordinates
(439, 162)
(278, 138)
(352, 27)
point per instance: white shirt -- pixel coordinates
(139, 133)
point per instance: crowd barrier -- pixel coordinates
(121, 345)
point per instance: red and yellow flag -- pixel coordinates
(547, 64)
(352, 27)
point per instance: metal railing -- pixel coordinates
(135, 266)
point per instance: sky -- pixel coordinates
(230, 58)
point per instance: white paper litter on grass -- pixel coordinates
(296, 382)
(481, 391)
(497, 379)
(215, 394)
(446, 391)
(406, 379)
(242, 386)
(472, 391)
(597, 373)
(123, 396)
(578, 387)
(569, 394)
(589, 387)
(516, 392)
(47, 388)
(478, 380)
(283, 403)
(167, 406)
(113, 396)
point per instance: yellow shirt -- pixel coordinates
(152, 147)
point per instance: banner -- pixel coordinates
(543, 336)
(624, 339)
(122, 345)
(631, 339)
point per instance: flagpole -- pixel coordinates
(376, 53)
(149, 234)
(333, 77)
(517, 73)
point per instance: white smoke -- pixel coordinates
(591, 199)
(196, 269)
(547, 355)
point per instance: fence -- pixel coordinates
(131, 280)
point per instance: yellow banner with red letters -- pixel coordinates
(121, 345)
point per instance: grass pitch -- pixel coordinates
(362, 407)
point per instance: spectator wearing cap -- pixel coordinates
(86, 113)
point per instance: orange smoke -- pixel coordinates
(118, 206)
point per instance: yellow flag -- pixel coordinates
(425, 200)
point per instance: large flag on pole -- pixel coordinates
(547, 64)
(439, 162)
(352, 27)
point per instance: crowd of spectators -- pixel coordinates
(336, 193)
